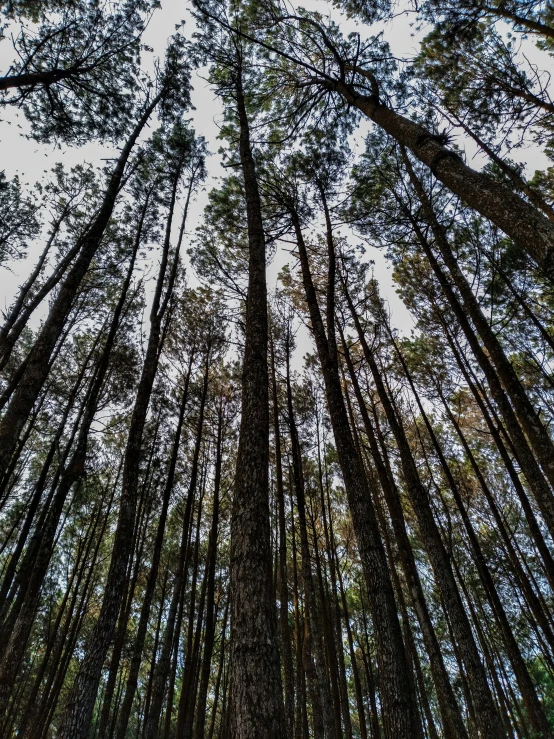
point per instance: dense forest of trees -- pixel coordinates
(234, 512)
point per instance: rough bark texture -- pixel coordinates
(256, 701)
(520, 220)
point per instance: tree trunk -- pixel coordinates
(37, 362)
(284, 628)
(77, 716)
(489, 721)
(256, 699)
(161, 670)
(534, 709)
(453, 725)
(314, 662)
(531, 469)
(399, 714)
(527, 415)
(138, 646)
(519, 220)
(209, 633)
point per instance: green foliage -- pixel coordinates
(90, 54)
(19, 220)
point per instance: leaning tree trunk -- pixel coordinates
(488, 718)
(37, 362)
(519, 219)
(77, 715)
(138, 645)
(529, 464)
(535, 712)
(528, 417)
(453, 725)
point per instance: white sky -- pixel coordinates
(32, 161)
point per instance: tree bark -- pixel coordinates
(519, 220)
(256, 700)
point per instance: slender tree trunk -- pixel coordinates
(138, 646)
(43, 479)
(453, 725)
(162, 667)
(399, 714)
(284, 628)
(532, 522)
(314, 663)
(67, 645)
(107, 715)
(37, 362)
(353, 659)
(301, 730)
(32, 716)
(217, 687)
(531, 469)
(26, 302)
(77, 715)
(534, 709)
(489, 721)
(37, 558)
(189, 681)
(527, 415)
(25, 593)
(209, 634)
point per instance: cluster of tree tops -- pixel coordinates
(198, 537)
